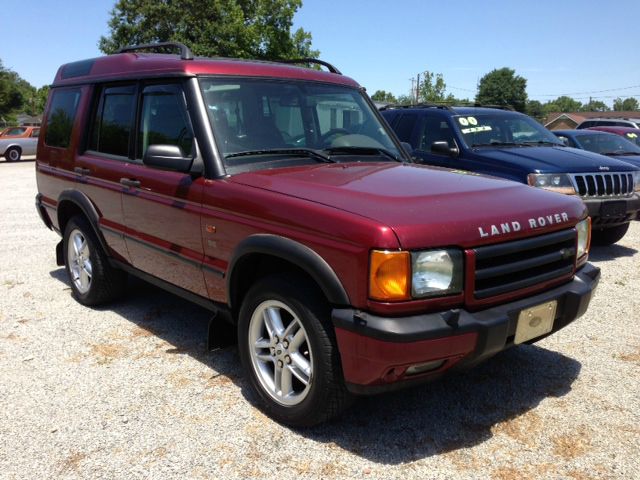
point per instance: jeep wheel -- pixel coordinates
(13, 154)
(93, 280)
(609, 236)
(289, 353)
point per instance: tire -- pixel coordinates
(93, 280)
(13, 154)
(609, 236)
(284, 327)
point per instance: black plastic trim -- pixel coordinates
(88, 209)
(593, 206)
(171, 288)
(185, 52)
(42, 213)
(291, 251)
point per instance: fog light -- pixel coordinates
(424, 367)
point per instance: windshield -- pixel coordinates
(252, 118)
(607, 143)
(633, 137)
(499, 129)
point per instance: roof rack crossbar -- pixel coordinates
(330, 67)
(418, 105)
(185, 52)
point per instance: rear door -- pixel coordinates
(162, 207)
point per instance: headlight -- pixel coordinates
(556, 182)
(398, 275)
(436, 272)
(584, 237)
(636, 181)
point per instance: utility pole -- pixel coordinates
(418, 90)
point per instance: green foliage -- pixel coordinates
(595, 106)
(227, 28)
(432, 88)
(383, 96)
(562, 104)
(626, 105)
(503, 87)
(18, 96)
(405, 100)
(536, 110)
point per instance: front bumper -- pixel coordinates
(609, 212)
(377, 351)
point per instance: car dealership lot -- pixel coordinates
(130, 391)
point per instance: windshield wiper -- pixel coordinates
(544, 142)
(346, 150)
(619, 153)
(307, 152)
(499, 144)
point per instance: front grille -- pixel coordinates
(511, 266)
(603, 184)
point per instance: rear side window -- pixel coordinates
(112, 123)
(164, 120)
(405, 125)
(62, 113)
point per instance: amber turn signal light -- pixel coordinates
(389, 275)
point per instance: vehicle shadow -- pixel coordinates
(610, 252)
(459, 411)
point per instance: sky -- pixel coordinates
(584, 48)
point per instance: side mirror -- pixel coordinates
(442, 148)
(168, 157)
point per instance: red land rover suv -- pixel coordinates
(276, 196)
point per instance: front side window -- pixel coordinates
(435, 130)
(502, 129)
(164, 120)
(250, 117)
(12, 132)
(62, 113)
(111, 130)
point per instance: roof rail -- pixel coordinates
(441, 106)
(185, 52)
(330, 67)
(500, 107)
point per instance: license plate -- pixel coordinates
(535, 321)
(613, 209)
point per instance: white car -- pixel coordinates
(14, 148)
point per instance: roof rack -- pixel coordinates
(185, 52)
(500, 107)
(330, 67)
(418, 105)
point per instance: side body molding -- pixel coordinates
(293, 252)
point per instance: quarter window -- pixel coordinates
(62, 113)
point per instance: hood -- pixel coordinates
(546, 159)
(425, 206)
(631, 159)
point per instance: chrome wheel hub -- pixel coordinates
(78, 257)
(280, 352)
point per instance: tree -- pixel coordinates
(562, 104)
(503, 87)
(432, 88)
(383, 96)
(405, 100)
(11, 93)
(595, 106)
(229, 28)
(626, 105)
(535, 110)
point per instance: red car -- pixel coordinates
(631, 134)
(20, 132)
(277, 197)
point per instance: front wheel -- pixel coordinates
(13, 154)
(289, 353)
(609, 236)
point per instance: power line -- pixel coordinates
(563, 94)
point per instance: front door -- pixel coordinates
(162, 207)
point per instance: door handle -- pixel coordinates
(82, 171)
(129, 182)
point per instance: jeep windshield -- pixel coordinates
(607, 144)
(262, 123)
(503, 130)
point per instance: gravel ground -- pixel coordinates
(130, 391)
